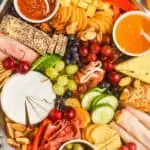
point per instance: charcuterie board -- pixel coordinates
(74, 75)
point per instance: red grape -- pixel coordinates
(131, 146)
(106, 51)
(114, 77)
(108, 66)
(124, 148)
(70, 113)
(95, 47)
(83, 51)
(92, 57)
(23, 67)
(9, 63)
(103, 58)
(56, 114)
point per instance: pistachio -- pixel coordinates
(125, 81)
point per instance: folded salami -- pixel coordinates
(26, 34)
(10, 47)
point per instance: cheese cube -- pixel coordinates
(90, 11)
(75, 1)
(88, 1)
(83, 4)
(96, 3)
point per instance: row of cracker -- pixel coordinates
(19, 136)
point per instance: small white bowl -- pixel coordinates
(77, 141)
(33, 20)
(116, 25)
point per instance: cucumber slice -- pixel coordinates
(96, 99)
(99, 89)
(107, 99)
(102, 114)
(88, 98)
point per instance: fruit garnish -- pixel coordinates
(131, 146)
(9, 63)
(83, 51)
(23, 67)
(92, 57)
(114, 77)
(51, 73)
(72, 86)
(56, 114)
(106, 51)
(108, 66)
(95, 47)
(70, 113)
(60, 65)
(62, 80)
(59, 89)
(71, 69)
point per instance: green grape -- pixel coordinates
(72, 86)
(51, 73)
(71, 69)
(59, 89)
(60, 65)
(62, 80)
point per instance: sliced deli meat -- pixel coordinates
(141, 116)
(133, 126)
(58, 133)
(10, 47)
(127, 138)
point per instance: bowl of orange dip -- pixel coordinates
(131, 33)
(36, 11)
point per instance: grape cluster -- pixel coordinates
(72, 55)
(111, 89)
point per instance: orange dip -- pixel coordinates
(128, 33)
(36, 9)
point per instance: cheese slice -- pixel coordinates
(138, 67)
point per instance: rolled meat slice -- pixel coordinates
(141, 116)
(127, 137)
(133, 126)
(10, 47)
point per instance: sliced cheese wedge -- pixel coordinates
(138, 67)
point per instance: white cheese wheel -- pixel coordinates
(35, 90)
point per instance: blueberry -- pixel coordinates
(67, 61)
(68, 93)
(73, 61)
(105, 84)
(74, 49)
(71, 37)
(76, 43)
